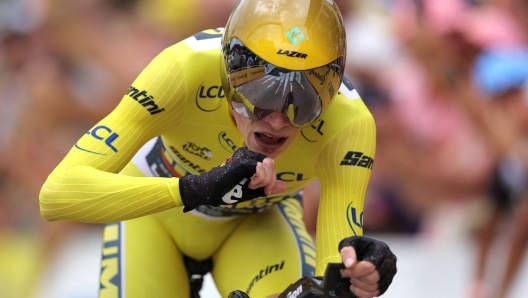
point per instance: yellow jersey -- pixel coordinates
(175, 121)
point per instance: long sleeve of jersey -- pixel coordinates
(344, 167)
(86, 186)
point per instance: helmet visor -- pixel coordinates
(261, 88)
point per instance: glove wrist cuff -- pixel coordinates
(190, 192)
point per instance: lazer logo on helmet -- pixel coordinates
(292, 54)
(144, 99)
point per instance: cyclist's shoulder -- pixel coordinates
(347, 106)
(346, 111)
(202, 43)
(194, 56)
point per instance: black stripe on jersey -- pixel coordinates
(347, 83)
(205, 35)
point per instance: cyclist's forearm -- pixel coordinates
(83, 194)
(344, 174)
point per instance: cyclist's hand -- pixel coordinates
(369, 263)
(230, 183)
(267, 177)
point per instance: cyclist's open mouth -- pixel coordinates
(269, 142)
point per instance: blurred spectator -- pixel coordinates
(63, 64)
(482, 55)
(501, 76)
(431, 149)
(429, 152)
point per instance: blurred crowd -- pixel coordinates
(446, 80)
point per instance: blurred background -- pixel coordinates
(446, 80)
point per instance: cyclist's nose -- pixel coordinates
(277, 120)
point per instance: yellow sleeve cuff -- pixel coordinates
(174, 189)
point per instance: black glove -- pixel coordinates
(378, 253)
(223, 185)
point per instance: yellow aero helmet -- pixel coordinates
(283, 56)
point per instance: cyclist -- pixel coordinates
(200, 165)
